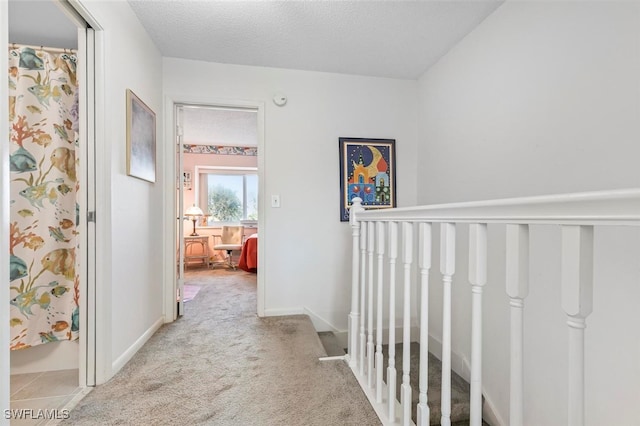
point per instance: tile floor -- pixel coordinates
(43, 391)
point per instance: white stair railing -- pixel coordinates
(376, 232)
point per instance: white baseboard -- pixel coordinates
(462, 367)
(489, 412)
(283, 312)
(320, 323)
(131, 351)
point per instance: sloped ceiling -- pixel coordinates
(397, 39)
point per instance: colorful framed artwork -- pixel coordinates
(368, 171)
(141, 139)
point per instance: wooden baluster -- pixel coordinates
(354, 316)
(577, 302)
(363, 281)
(391, 368)
(370, 247)
(424, 259)
(477, 278)
(407, 257)
(517, 277)
(379, 356)
(447, 269)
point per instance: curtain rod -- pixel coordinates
(48, 49)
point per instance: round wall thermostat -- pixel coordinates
(280, 99)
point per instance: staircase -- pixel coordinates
(460, 407)
(389, 244)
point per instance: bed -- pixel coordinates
(249, 254)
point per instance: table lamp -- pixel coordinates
(194, 213)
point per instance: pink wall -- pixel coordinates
(190, 161)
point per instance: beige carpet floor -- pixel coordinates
(222, 365)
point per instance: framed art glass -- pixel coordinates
(367, 171)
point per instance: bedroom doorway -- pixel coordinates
(218, 170)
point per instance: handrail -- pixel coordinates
(380, 236)
(613, 207)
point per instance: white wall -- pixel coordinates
(129, 219)
(307, 247)
(63, 355)
(543, 97)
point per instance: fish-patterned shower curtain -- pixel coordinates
(43, 115)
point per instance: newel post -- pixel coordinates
(354, 316)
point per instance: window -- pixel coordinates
(228, 195)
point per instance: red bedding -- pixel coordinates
(249, 254)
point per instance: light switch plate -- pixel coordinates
(275, 201)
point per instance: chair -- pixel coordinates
(230, 240)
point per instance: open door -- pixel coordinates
(180, 214)
(179, 120)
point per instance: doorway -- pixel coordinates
(69, 363)
(215, 142)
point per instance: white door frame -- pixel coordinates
(90, 44)
(95, 354)
(170, 190)
(87, 196)
(178, 163)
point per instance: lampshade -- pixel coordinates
(194, 211)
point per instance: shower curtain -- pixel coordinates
(43, 115)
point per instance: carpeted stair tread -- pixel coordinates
(460, 408)
(330, 343)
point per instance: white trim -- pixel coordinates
(319, 323)
(614, 207)
(461, 366)
(170, 202)
(71, 404)
(178, 140)
(333, 358)
(85, 248)
(100, 288)
(489, 412)
(228, 168)
(133, 349)
(221, 170)
(171, 221)
(103, 249)
(458, 363)
(283, 312)
(99, 318)
(381, 408)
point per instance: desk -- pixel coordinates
(201, 253)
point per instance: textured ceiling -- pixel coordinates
(397, 39)
(216, 126)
